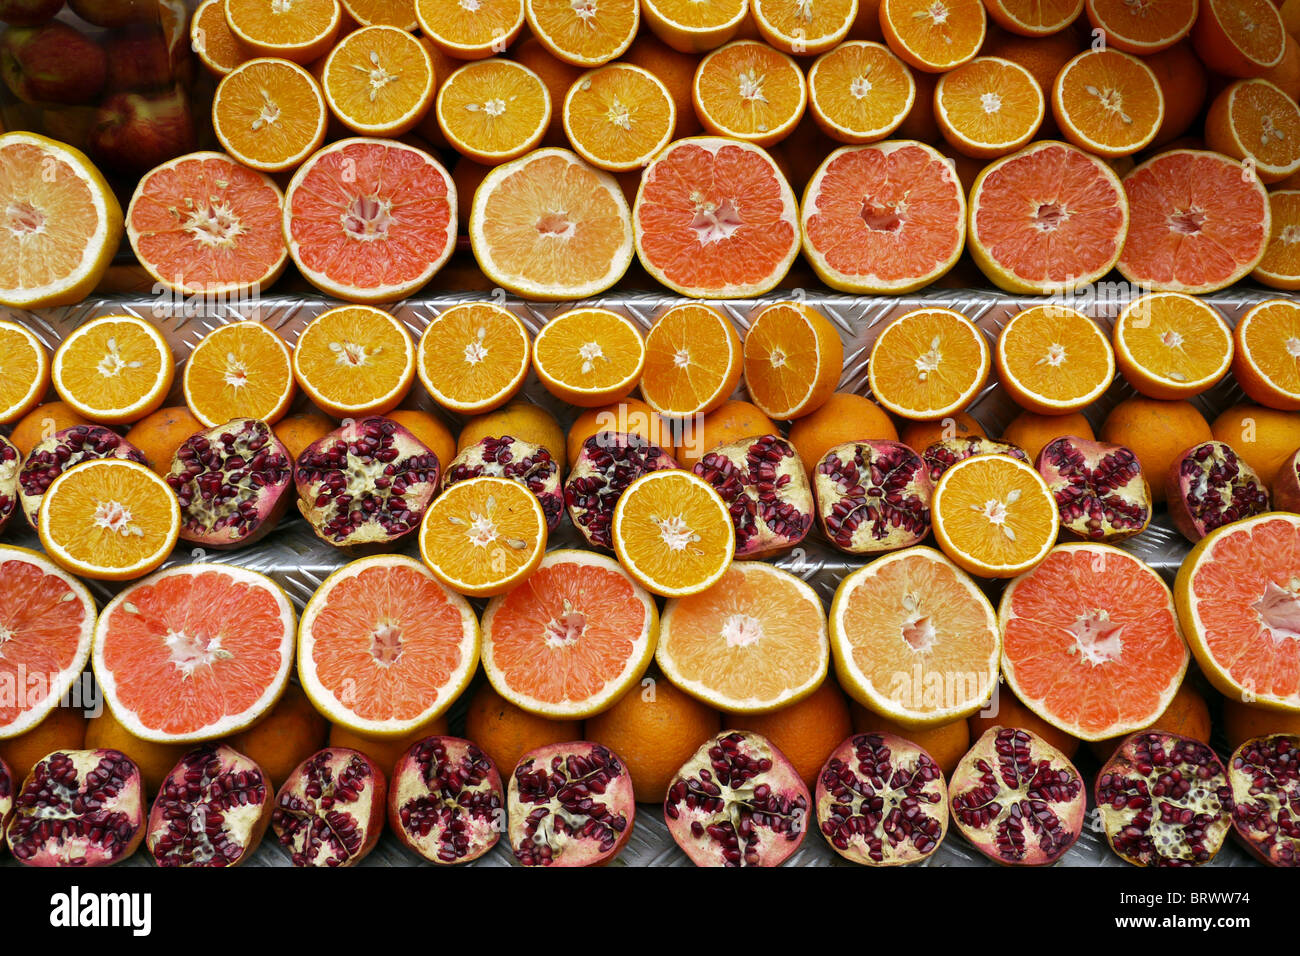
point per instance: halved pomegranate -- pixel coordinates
(738, 802)
(1210, 485)
(522, 461)
(570, 804)
(608, 463)
(873, 496)
(10, 463)
(765, 486)
(330, 811)
(1099, 488)
(78, 808)
(946, 452)
(1265, 776)
(6, 795)
(52, 456)
(445, 801)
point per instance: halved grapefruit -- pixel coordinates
(370, 220)
(194, 652)
(47, 618)
(1238, 596)
(1090, 641)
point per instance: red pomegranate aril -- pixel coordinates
(946, 452)
(882, 801)
(366, 483)
(1265, 776)
(738, 802)
(78, 808)
(1210, 485)
(54, 455)
(232, 483)
(1099, 488)
(212, 810)
(765, 486)
(570, 804)
(1164, 800)
(872, 496)
(10, 463)
(607, 464)
(508, 457)
(1017, 799)
(445, 800)
(331, 809)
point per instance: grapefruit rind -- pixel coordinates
(59, 683)
(859, 686)
(232, 723)
(1188, 605)
(750, 705)
(634, 667)
(327, 701)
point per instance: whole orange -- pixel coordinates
(733, 421)
(1032, 431)
(921, 435)
(63, 729)
(1241, 721)
(1157, 431)
(429, 429)
(1187, 715)
(160, 434)
(807, 731)
(1184, 83)
(845, 417)
(505, 732)
(384, 751)
(522, 420)
(1265, 437)
(41, 422)
(300, 429)
(630, 415)
(154, 760)
(285, 737)
(675, 70)
(556, 75)
(655, 733)
(946, 743)
(1010, 712)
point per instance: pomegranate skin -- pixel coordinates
(1210, 485)
(10, 463)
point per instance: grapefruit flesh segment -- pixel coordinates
(1200, 222)
(715, 217)
(193, 653)
(1091, 641)
(886, 218)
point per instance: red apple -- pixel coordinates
(115, 13)
(138, 59)
(70, 124)
(29, 13)
(135, 132)
(52, 64)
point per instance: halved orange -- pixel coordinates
(473, 357)
(48, 619)
(384, 648)
(24, 372)
(211, 39)
(1254, 121)
(1107, 102)
(1090, 641)
(203, 224)
(269, 114)
(886, 218)
(1237, 601)
(1280, 267)
(1143, 27)
(114, 370)
(297, 30)
(493, 110)
(1053, 360)
(793, 360)
(1199, 222)
(589, 356)
(928, 363)
(473, 30)
(196, 652)
(1239, 37)
(1266, 361)
(673, 533)
(860, 92)
(715, 217)
(572, 639)
(619, 117)
(933, 35)
(483, 536)
(1047, 219)
(549, 226)
(387, 13)
(1170, 345)
(693, 26)
(379, 81)
(354, 361)
(750, 91)
(994, 516)
(370, 220)
(803, 28)
(584, 33)
(240, 370)
(109, 519)
(62, 223)
(1034, 18)
(753, 643)
(914, 639)
(988, 107)
(693, 361)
